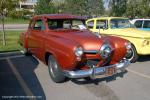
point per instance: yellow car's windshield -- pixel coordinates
(120, 23)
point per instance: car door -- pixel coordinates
(36, 38)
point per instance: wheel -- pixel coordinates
(132, 54)
(55, 71)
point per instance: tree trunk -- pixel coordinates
(3, 28)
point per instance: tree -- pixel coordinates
(5, 6)
(45, 7)
(85, 7)
(95, 7)
(59, 6)
(133, 9)
(129, 8)
(138, 8)
(118, 7)
(145, 5)
(75, 7)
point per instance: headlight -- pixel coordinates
(105, 51)
(145, 42)
(78, 51)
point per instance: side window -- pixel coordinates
(67, 24)
(90, 24)
(138, 24)
(52, 24)
(101, 24)
(146, 24)
(39, 25)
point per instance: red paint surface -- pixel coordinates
(61, 43)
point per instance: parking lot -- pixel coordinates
(24, 77)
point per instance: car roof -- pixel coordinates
(142, 19)
(110, 18)
(138, 19)
(60, 16)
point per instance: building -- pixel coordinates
(27, 4)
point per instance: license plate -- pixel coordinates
(110, 71)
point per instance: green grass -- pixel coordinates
(12, 41)
(9, 20)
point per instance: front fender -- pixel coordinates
(63, 51)
(119, 47)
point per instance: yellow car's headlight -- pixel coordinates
(145, 43)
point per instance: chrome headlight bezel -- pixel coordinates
(78, 51)
(105, 51)
(128, 45)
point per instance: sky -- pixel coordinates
(106, 3)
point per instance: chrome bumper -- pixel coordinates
(92, 72)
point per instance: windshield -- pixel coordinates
(54, 24)
(120, 23)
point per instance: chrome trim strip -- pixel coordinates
(96, 70)
(90, 51)
(126, 36)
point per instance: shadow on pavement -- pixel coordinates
(144, 58)
(9, 84)
(99, 80)
(98, 88)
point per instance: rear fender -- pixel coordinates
(24, 39)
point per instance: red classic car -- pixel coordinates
(70, 50)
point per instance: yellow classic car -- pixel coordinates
(121, 27)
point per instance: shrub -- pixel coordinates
(20, 14)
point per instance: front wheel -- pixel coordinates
(132, 55)
(55, 70)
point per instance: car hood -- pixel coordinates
(85, 38)
(131, 32)
(89, 41)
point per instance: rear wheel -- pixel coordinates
(132, 55)
(55, 70)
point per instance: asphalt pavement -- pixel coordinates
(26, 78)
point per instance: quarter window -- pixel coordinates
(90, 24)
(138, 24)
(101, 24)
